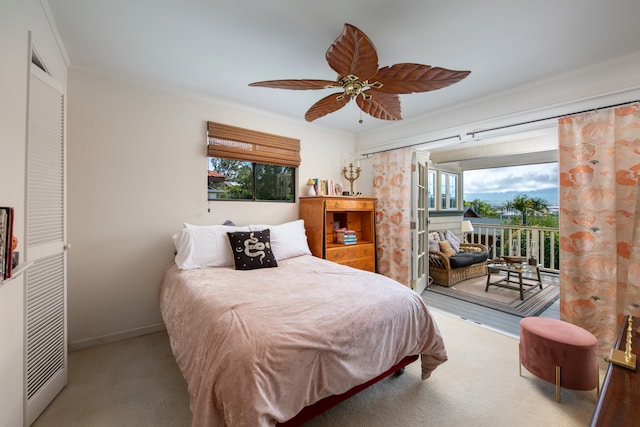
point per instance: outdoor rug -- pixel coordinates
(536, 300)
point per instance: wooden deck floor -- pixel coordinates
(484, 316)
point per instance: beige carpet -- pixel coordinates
(137, 383)
(535, 301)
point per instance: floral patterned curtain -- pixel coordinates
(392, 188)
(599, 164)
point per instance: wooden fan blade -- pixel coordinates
(382, 106)
(353, 54)
(409, 78)
(326, 105)
(303, 84)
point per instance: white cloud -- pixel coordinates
(514, 178)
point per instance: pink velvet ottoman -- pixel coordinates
(560, 353)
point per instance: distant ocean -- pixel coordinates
(499, 199)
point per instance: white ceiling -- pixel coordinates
(216, 48)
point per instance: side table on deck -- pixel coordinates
(515, 272)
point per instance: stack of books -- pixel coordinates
(6, 242)
(326, 187)
(347, 237)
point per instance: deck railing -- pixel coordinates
(540, 243)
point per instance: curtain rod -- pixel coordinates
(551, 118)
(472, 134)
(412, 145)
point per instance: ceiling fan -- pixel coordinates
(353, 56)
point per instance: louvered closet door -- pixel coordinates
(46, 340)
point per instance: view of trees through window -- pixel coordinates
(241, 180)
(521, 210)
(522, 198)
(516, 195)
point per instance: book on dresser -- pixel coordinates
(341, 229)
(346, 236)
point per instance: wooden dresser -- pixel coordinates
(323, 214)
(619, 400)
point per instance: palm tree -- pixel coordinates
(527, 206)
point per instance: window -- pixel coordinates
(431, 189)
(250, 165)
(448, 191)
(442, 190)
(452, 191)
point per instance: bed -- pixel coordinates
(258, 346)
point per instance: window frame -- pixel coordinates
(446, 190)
(432, 182)
(256, 148)
(254, 187)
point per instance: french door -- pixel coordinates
(419, 219)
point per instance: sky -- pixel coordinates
(515, 178)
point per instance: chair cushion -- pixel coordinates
(465, 259)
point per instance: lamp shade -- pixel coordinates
(466, 226)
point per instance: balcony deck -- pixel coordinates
(487, 317)
(529, 241)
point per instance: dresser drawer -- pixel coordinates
(350, 252)
(367, 264)
(349, 205)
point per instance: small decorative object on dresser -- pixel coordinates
(353, 175)
(311, 191)
(325, 216)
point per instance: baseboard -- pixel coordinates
(117, 336)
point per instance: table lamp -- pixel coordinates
(466, 227)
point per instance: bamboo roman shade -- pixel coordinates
(236, 143)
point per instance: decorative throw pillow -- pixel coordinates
(434, 246)
(252, 249)
(454, 240)
(434, 236)
(445, 248)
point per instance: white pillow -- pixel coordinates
(204, 246)
(453, 239)
(288, 240)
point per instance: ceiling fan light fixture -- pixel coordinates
(352, 55)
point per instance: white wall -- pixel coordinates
(137, 172)
(594, 86)
(17, 18)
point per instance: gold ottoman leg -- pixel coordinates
(558, 384)
(519, 363)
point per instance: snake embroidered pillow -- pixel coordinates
(252, 249)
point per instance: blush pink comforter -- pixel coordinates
(257, 346)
